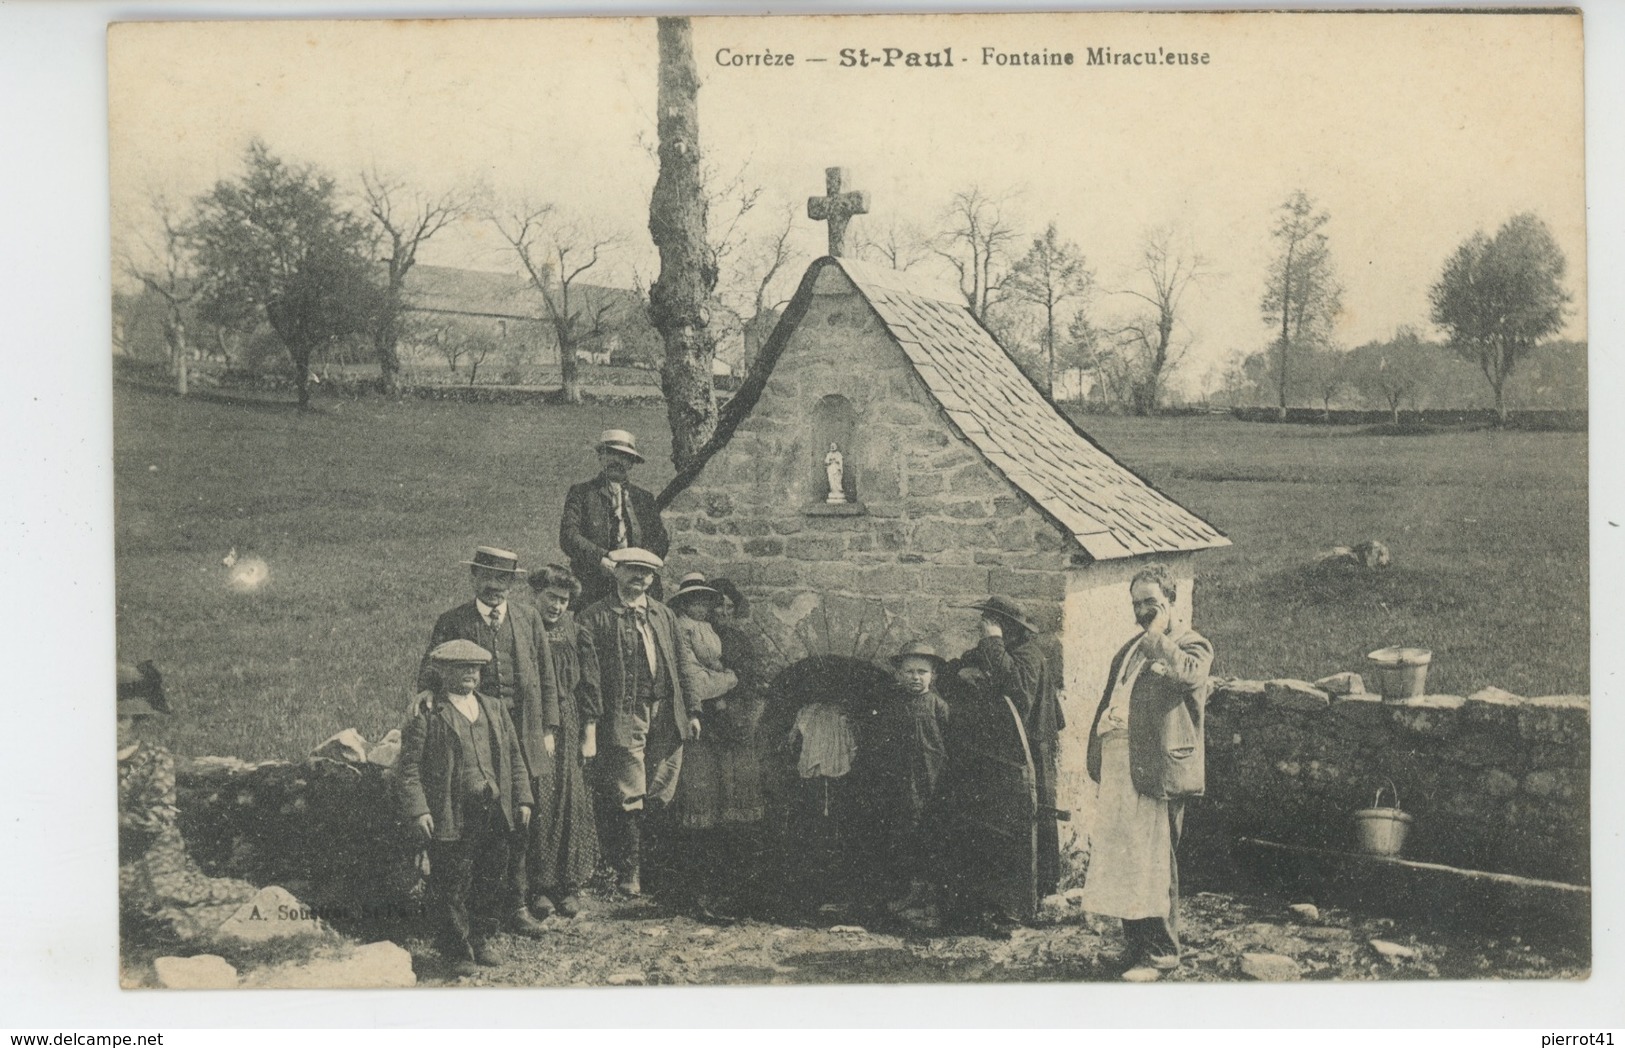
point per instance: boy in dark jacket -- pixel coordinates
(466, 786)
(914, 722)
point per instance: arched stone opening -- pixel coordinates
(828, 838)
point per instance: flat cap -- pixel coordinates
(459, 652)
(635, 557)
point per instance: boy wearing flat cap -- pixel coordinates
(609, 513)
(915, 720)
(519, 675)
(465, 786)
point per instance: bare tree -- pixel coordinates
(750, 274)
(976, 242)
(167, 271)
(1051, 273)
(1148, 340)
(680, 296)
(478, 346)
(555, 253)
(406, 219)
(896, 242)
(1303, 295)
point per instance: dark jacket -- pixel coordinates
(1028, 676)
(1167, 752)
(605, 691)
(428, 765)
(536, 693)
(586, 527)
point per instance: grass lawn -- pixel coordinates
(365, 509)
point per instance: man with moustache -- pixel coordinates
(519, 676)
(1146, 754)
(634, 709)
(609, 513)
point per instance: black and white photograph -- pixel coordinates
(904, 499)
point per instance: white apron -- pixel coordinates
(1130, 845)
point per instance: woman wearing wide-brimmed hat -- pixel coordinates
(719, 795)
(162, 893)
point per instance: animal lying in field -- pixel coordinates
(1368, 554)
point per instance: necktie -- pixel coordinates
(620, 518)
(640, 621)
(496, 656)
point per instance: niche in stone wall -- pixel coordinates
(835, 450)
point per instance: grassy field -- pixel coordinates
(364, 510)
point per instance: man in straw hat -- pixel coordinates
(1011, 660)
(633, 705)
(1146, 754)
(608, 513)
(519, 675)
(465, 785)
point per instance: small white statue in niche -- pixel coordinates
(835, 469)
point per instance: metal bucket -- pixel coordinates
(1379, 830)
(1402, 673)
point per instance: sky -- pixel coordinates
(1411, 131)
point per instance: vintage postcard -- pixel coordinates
(1046, 498)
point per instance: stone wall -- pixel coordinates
(1494, 781)
(934, 528)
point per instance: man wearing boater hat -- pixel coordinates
(634, 709)
(1010, 660)
(519, 676)
(609, 513)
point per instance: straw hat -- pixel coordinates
(621, 441)
(694, 585)
(492, 559)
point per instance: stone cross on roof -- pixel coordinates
(836, 207)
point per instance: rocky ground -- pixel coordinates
(641, 942)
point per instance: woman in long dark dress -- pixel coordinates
(563, 839)
(719, 802)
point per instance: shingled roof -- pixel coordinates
(1106, 507)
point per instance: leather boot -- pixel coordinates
(632, 843)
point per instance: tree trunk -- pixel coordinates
(688, 267)
(1049, 345)
(180, 359)
(301, 365)
(389, 360)
(569, 375)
